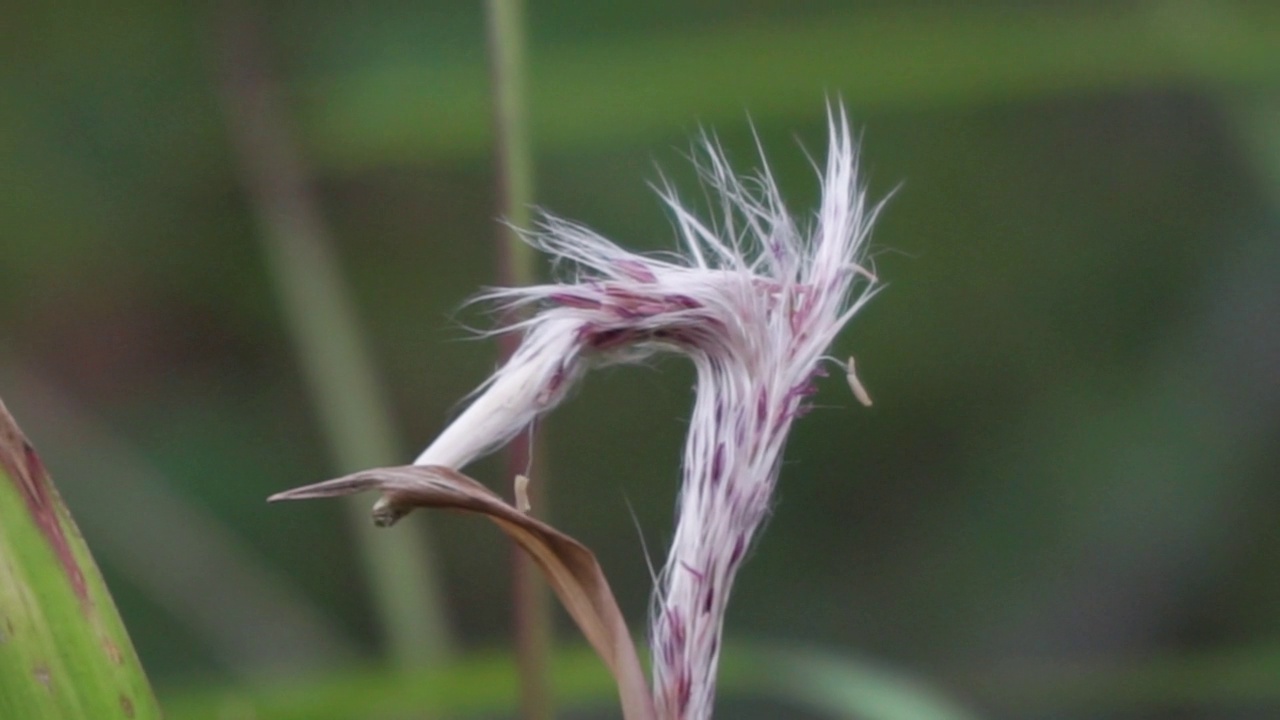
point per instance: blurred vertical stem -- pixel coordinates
(322, 320)
(514, 172)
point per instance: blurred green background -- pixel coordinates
(1063, 503)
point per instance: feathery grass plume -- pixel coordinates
(755, 298)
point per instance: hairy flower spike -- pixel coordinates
(755, 299)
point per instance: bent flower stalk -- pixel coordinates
(754, 297)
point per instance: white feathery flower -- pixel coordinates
(755, 299)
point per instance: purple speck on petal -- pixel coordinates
(635, 270)
(584, 332)
(635, 308)
(574, 301)
(684, 689)
(626, 313)
(602, 340)
(804, 389)
(676, 623)
(786, 414)
(717, 465)
(553, 384)
(670, 336)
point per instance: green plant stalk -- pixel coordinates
(400, 565)
(64, 652)
(322, 321)
(516, 266)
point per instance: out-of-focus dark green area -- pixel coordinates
(1063, 503)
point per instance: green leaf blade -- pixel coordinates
(64, 652)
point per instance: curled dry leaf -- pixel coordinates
(570, 568)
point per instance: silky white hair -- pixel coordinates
(754, 298)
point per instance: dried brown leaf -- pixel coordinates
(571, 569)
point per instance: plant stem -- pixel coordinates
(322, 321)
(514, 171)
